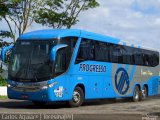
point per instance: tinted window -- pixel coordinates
(86, 51)
(108, 52)
(154, 59)
(138, 57)
(64, 55)
(117, 53)
(101, 51)
(128, 55)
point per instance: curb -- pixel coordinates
(3, 90)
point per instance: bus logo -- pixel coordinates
(122, 81)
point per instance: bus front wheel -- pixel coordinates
(77, 97)
(136, 94)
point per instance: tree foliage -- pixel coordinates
(5, 34)
(19, 15)
(63, 13)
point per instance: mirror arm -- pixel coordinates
(53, 55)
(55, 49)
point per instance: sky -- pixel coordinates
(133, 21)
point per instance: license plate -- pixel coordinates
(25, 96)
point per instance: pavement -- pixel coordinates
(120, 109)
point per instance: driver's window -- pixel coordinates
(61, 61)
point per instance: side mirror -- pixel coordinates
(54, 51)
(5, 52)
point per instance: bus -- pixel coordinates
(74, 65)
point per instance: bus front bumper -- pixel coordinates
(42, 95)
(34, 92)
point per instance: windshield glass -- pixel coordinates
(31, 59)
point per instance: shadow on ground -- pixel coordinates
(17, 104)
(54, 105)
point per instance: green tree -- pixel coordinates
(63, 13)
(19, 15)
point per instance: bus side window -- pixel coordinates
(127, 55)
(117, 54)
(138, 57)
(101, 51)
(154, 60)
(146, 59)
(86, 51)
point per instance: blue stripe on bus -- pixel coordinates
(121, 82)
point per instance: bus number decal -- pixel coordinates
(92, 68)
(122, 82)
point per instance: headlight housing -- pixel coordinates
(48, 86)
(9, 85)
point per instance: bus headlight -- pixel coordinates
(44, 87)
(52, 84)
(9, 85)
(48, 86)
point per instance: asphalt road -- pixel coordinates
(120, 109)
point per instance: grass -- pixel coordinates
(3, 97)
(2, 81)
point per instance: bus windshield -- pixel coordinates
(31, 59)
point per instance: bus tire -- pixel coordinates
(77, 97)
(144, 93)
(39, 103)
(136, 94)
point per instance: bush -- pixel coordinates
(3, 81)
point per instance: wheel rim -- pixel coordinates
(76, 97)
(136, 95)
(144, 93)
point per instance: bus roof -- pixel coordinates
(58, 33)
